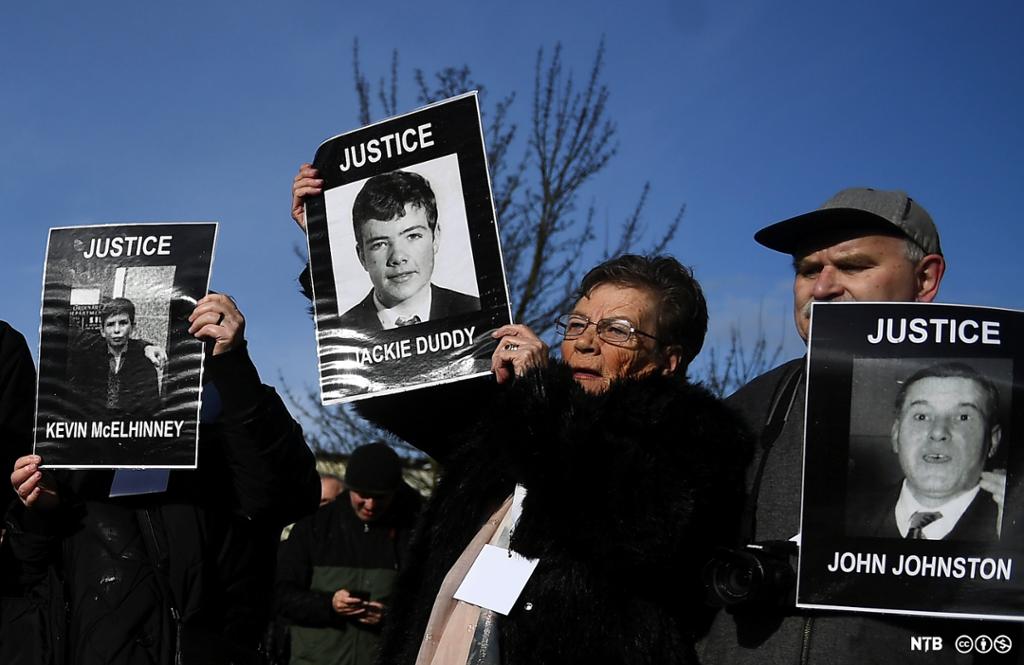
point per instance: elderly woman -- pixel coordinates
(631, 475)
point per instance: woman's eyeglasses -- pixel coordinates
(613, 331)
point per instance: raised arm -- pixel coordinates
(262, 451)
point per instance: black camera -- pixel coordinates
(758, 575)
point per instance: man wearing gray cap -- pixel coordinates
(861, 245)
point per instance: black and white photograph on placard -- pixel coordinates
(405, 261)
(119, 375)
(911, 493)
(408, 269)
(917, 473)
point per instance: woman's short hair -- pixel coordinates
(682, 311)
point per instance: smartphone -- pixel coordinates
(361, 594)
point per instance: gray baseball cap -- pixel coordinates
(855, 209)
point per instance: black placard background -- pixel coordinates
(191, 253)
(455, 129)
(839, 337)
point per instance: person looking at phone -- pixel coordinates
(338, 566)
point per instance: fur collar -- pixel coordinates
(627, 492)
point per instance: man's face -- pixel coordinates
(943, 435)
(596, 363)
(330, 488)
(866, 268)
(370, 507)
(117, 330)
(398, 254)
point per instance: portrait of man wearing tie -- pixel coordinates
(945, 430)
(395, 220)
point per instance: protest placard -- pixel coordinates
(404, 255)
(119, 373)
(912, 494)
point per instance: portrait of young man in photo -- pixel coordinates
(395, 220)
(116, 376)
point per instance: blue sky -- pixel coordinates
(746, 111)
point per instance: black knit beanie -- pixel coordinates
(374, 469)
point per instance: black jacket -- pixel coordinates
(20, 614)
(333, 549)
(626, 494)
(132, 394)
(184, 575)
(443, 303)
(17, 403)
(873, 514)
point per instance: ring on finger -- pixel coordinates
(511, 347)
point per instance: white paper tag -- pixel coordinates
(496, 579)
(516, 509)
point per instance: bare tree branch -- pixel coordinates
(362, 86)
(742, 361)
(389, 97)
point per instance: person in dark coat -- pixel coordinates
(862, 244)
(17, 400)
(610, 468)
(631, 476)
(337, 569)
(20, 613)
(181, 575)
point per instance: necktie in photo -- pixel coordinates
(412, 320)
(113, 382)
(918, 521)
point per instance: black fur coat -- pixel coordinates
(627, 492)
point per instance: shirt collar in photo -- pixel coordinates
(951, 511)
(116, 359)
(417, 305)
